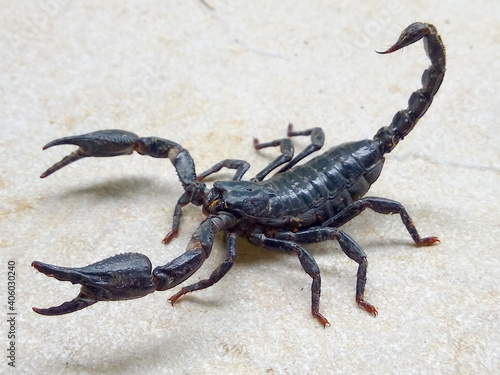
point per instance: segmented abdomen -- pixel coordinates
(315, 191)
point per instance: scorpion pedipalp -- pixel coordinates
(102, 143)
(115, 142)
(120, 277)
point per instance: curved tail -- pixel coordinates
(404, 121)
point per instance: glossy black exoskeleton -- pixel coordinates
(300, 204)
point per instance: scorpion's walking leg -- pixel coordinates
(241, 167)
(349, 247)
(307, 262)
(287, 150)
(317, 141)
(198, 250)
(189, 196)
(106, 143)
(381, 206)
(216, 275)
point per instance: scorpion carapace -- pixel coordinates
(304, 204)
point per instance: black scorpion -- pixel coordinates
(296, 206)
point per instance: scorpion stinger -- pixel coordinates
(404, 121)
(302, 203)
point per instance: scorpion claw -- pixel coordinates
(83, 300)
(121, 277)
(100, 143)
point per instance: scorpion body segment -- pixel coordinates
(307, 194)
(300, 204)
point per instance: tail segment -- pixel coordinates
(404, 121)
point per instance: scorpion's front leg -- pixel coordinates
(216, 275)
(128, 276)
(287, 150)
(106, 143)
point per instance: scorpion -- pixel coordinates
(300, 204)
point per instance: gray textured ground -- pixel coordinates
(211, 80)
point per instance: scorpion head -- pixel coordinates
(240, 198)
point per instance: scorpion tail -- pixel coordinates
(404, 121)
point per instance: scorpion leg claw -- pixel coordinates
(84, 299)
(324, 322)
(170, 236)
(367, 306)
(121, 277)
(428, 241)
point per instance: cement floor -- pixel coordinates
(211, 79)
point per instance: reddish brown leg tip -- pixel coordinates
(324, 322)
(368, 307)
(175, 297)
(169, 237)
(256, 144)
(428, 241)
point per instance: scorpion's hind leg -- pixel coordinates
(241, 167)
(349, 247)
(287, 150)
(307, 262)
(216, 275)
(317, 141)
(381, 206)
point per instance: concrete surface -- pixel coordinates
(211, 79)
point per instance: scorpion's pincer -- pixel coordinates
(102, 143)
(121, 277)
